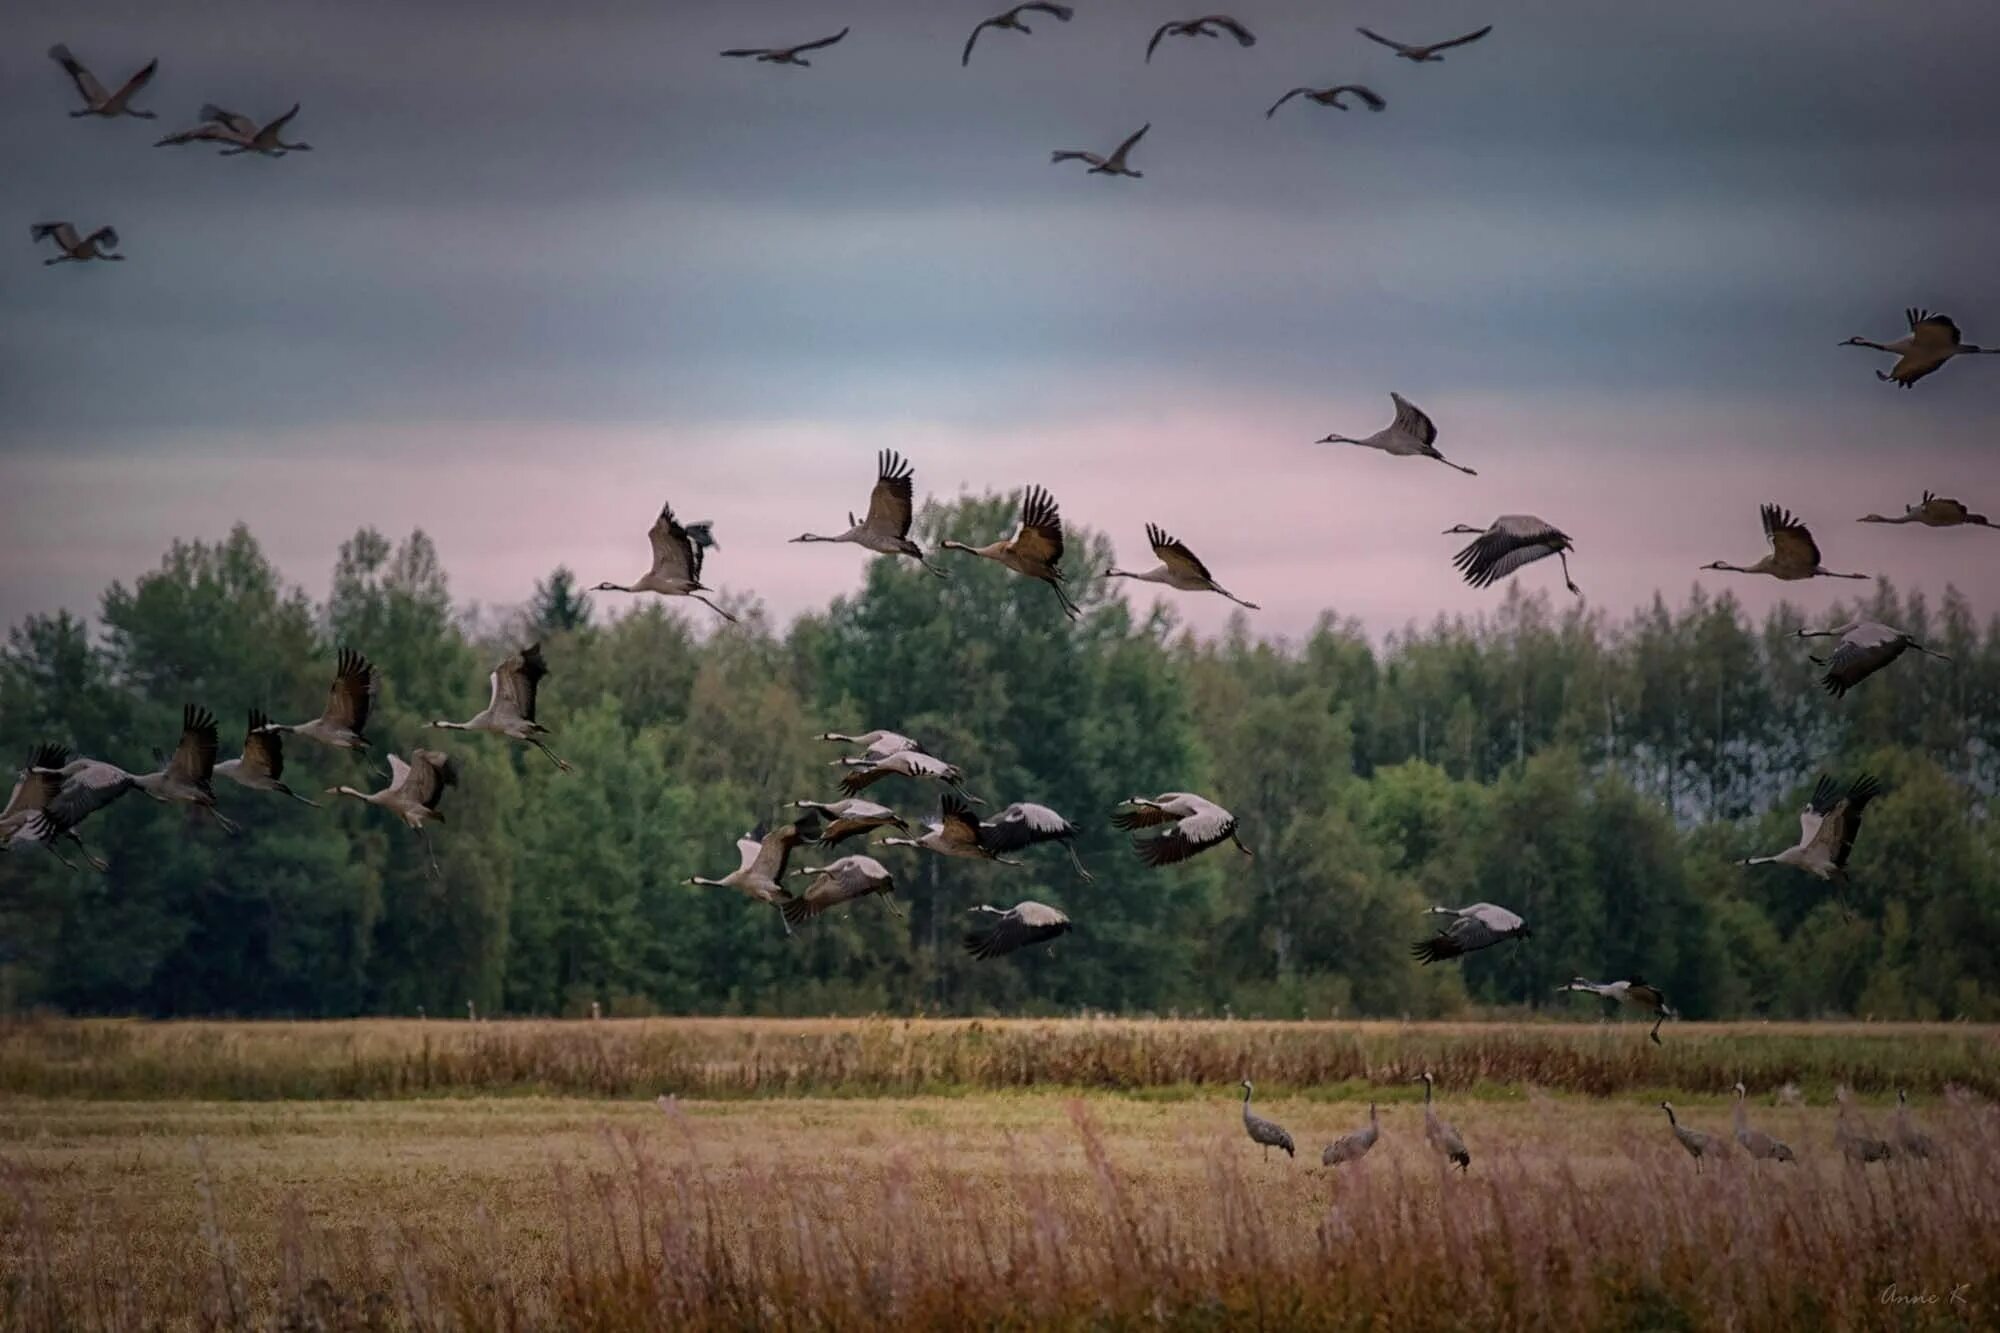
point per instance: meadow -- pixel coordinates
(857, 1175)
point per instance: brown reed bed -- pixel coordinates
(1588, 1220)
(730, 1058)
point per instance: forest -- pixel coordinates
(1598, 773)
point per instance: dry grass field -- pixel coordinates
(994, 1208)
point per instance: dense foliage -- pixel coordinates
(1597, 775)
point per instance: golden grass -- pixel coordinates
(1007, 1210)
(726, 1058)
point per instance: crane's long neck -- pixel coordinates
(1158, 575)
(1880, 347)
(1427, 1093)
(357, 795)
(1826, 573)
(711, 883)
(1670, 1117)
(153, 784)
(452, 726)
(898, 842)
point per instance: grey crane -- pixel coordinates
(1441, 1134)
(885, 529)
(764, 854)
(1932, 341)
(510, 711)
(1859, 1146)
(676, 569)
(1267, 1133)
(88, 785)
(25, 820)
(77, 248)
(838, 882)
(1209, 25)
(238, 133)
(955, 832)
(261, 766)
(1026, 824)
(1411, 435)
(1480, 926)
(1761, 1146)
(877, 744)
(1195, 825)
(1700, 1146)
(1331, 97)
(1828, 825)
(1935, 511)
(852, 816)
(999, 933)
(1910, 1141)
(96, 100)
(902, 764)
(784, 55)
(1634, 992)
(413, 793)
(1178, 568)
(343, 723)
(1010, 21)
(1793, 555)
(1426, 53)
(1353, 1147)
(1105, 166)
(1506, 544)
(1865, 647)
(1035, 550)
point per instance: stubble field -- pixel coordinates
(844, 1175)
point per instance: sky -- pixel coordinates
(549, 265)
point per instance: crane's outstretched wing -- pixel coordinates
(1790, 539)
(86, 82)
(194, 757)
(1461, 41)
(675, 555)
(1175, 555)
(893, 501)
(1411, 418)
(1040, 535)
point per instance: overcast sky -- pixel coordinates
(549, 264)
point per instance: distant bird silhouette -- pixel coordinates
(1353, 1147)
(1035, 550)
(1866, 646)
(348, 701)
(413, 793)
(1635, 993)
(1195, 825)
(841, 881)
(1934, 511)
(1331, 97)
(96, 101)
(1011, 22)
(1411, 434)
(1105, 166)
(784, 55)
(1213, 25)
(239, 133)
(851, 817)
(1480, 926)
(1828, 826)
(1025, 824)
(1932, 341)
(1794, 553)
(1001, 933)
(886, 529)
(676, 570)
(77, 249)
(261, 766)
(510, 710)
(1511, 541)
(1267, 1134)
(1178, 568)
(1422, 54)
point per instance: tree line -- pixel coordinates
(1597, 774)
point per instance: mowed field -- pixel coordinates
(210, 1175)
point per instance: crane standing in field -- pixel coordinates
(510, 711)
(1866, 646)
(1353, 1147)
(1761, 1146)
(1267, 1133)
(413, 793)
(1910, 1141)
(1700, 1146)
(891, 504)
(1178, 568)
(1634, 992)
(1859, 1146)
(1794, 554)
(1828, 826)
(261, 766)
(1441, 1134)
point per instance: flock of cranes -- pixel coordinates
(1857, 1145)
